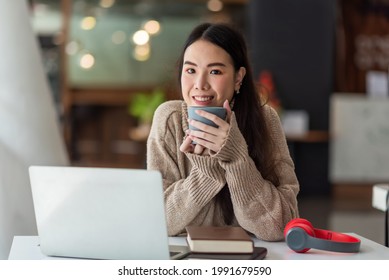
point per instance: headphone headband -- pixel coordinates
(334, 236)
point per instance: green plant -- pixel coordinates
(143, 105)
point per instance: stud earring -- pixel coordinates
(238, 90)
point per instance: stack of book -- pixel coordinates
(234, 243)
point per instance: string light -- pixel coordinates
(88, 23)
(152, 27)
(72, 47)
(87, 61)
(142, 53)
(107, 3)
(141, 37)
(215, 5)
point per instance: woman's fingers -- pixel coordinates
(198, 149)
(211, 137)
(226, 105)
(187, 145)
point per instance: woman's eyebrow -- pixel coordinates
(190, 63)
(209, 65)
(216, 64)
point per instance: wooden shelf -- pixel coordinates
(312, 136)
(103, 96)
(352, 196)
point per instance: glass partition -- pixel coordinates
(130, 43)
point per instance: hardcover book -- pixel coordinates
(210, 239)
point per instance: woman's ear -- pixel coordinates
(239, 77)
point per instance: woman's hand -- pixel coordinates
(209, 137)
(188, 147)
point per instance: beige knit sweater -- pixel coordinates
(192, 181)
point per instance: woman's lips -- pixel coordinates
(202, 100)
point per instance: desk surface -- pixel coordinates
(27, 248)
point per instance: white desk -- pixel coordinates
(27, 248)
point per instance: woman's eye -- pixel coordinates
(215, 72)
(190, 71)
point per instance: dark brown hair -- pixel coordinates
(247, 105)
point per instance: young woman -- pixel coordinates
(239, 173)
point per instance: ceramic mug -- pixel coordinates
(221, 112)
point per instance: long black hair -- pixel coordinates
(247, 104)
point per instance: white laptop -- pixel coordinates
(101, 213)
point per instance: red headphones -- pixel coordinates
(301, 236)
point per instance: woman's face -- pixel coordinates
(208, 76)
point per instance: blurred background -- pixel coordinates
(324, 64)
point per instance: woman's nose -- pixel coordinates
(201, 83)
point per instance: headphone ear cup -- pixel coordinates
(297, 221)
(303, 224)
(301, 221)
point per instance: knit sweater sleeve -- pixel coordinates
(187, 189)
(260, 206)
